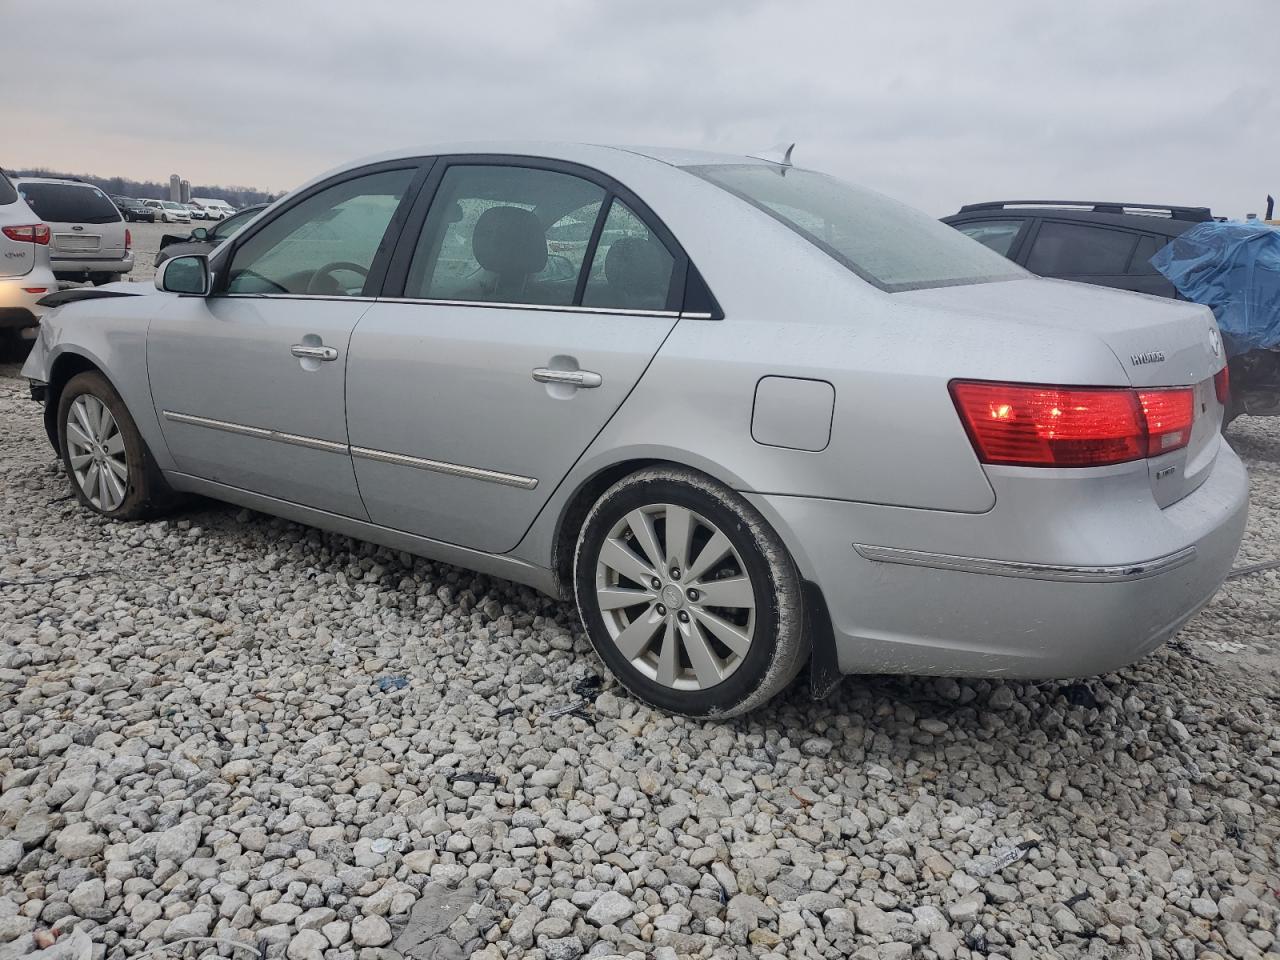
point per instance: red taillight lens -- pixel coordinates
(1222, 386)
(128, 239)
(1038, 426)
(32, 233)
(1169, 416)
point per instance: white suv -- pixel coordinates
(90, 240)
(25, 275)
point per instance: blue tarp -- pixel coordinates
(1234, 269)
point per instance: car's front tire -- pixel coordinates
(688, 595)
(110, 468)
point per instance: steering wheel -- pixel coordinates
(329, 283)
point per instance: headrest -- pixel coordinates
(638, 266)
(509, 241)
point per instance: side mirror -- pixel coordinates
(199, 233)
(189, 275)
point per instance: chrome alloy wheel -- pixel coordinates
(95, 448)
(675, 597)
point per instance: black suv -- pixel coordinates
(1110, 244)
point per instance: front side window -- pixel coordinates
(997, 235)
(69, 203)
(504, 234)
(631, 269)
(1076, 249)
(887, 243)
(325, 245)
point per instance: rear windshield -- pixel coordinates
(887, 243)
(69, 203)
(7, 193)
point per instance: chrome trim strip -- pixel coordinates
(543, 307)
(262, 433)
(1032, 571)
(381, 456)
(451, 469)
(293, 296)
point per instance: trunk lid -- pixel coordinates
(1157, 342)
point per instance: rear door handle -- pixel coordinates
(305, 352)
(573, 378)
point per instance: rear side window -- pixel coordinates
(1075, 249)
(632, 268)
(7, 192)
(997, 235)
(69, 203)
(504, 234)
(1147, 247)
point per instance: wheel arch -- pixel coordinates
(68, 364)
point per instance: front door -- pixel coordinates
(248, 383)
(533, 302)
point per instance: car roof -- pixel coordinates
(59, 180)
(1178, 221)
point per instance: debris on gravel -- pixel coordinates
(198, 740)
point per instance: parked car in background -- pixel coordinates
(134, 211)
(775, 419)
(213, 209)
(169, 212)
(193, 211)
(202, 239)
(25, 273)
(89, 238)
(1108, 244)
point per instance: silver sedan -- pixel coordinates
(749, 417)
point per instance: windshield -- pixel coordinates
(69, 203)
(170, 205)
(887, 243)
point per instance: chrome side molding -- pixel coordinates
(1031, 571)
(365, 453)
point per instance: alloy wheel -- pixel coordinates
(95, 449)
(675, 596)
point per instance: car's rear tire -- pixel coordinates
(716, 626)
(110, 468)
(98, 279)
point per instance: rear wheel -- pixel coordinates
(111, 470)
(688, 595)
(98, 279)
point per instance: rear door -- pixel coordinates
(1089, 253)
(525, 303)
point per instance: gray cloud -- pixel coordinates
(933, 101)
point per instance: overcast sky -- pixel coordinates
(937, 102)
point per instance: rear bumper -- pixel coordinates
(70, 268)
(901, 609)
(19, 298)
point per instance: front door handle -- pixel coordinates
(307, 352)
(572, 378)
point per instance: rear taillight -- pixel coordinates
(1222, 386)
(128, 239)
(31, 233)
(1037, 426)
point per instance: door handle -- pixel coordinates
(573, 378)
(305, 352)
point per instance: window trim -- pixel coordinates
(397, 273)
(220, 265)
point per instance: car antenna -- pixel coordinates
(779, 153)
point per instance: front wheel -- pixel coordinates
(111, 469)
(688, 595)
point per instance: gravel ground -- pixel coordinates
(225, 725)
